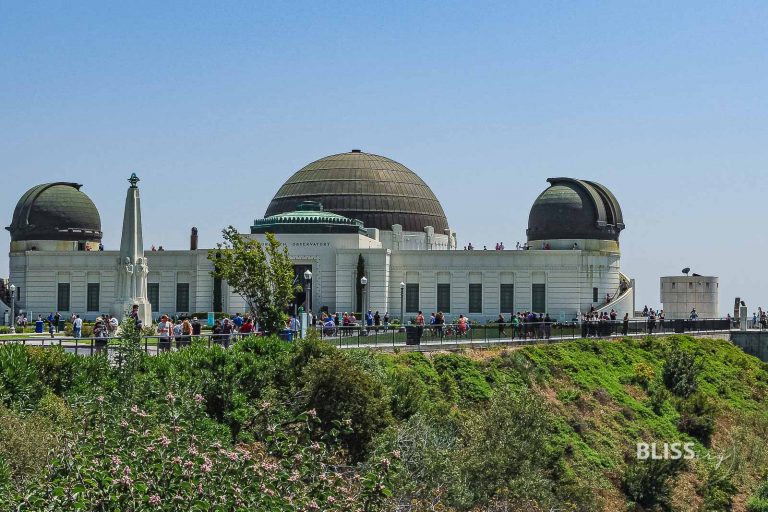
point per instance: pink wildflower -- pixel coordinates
(312, 413)
(154, 500)
(100, 399)
(164, 441)
(199, 398)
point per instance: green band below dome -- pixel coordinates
(309, 217)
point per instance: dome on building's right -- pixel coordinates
(575, 209)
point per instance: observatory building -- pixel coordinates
(341, 217)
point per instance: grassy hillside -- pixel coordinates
(548, 427)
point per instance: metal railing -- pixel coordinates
(528, 332)
(150, 344)
(381, 336)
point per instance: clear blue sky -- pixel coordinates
(215, 104)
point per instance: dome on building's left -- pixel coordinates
(55, 211)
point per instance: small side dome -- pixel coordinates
(55, 211)
(575, 209)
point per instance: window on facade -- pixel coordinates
(412, 298)
(153, 295)
(539, 298)
(444, 297)
(594, 294)
(92, 298)
(475, 298)
(507, 298)
(182, 297)
(62, 298)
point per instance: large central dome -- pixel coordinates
(371, 188)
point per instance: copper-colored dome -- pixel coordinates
(55, 211)
(575, 209)
(374, 189)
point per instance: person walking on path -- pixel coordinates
(164, 331)
(77, 326)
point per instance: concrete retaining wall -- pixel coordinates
(754, 343)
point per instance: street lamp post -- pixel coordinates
(402, 306)
(13, 308)
(308, 279)
(364, 281)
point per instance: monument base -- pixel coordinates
(123, 309)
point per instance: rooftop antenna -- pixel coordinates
(686, 270)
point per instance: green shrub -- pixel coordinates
(343, 393)
(681, 372)
(506, 455)
(643, 374)
(25, 444)
(464, 372)
(86, 331)
(132, 459)
(718, 490)
(697, 417)
(20, 385)
(759, 501)
(658, 397)
(649, 483)
(408, 393)
(54, 367)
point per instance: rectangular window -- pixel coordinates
(412, 298)
(182, 297)
(92, 299)
(539, 298)
(153, 295)
(444, 297)
(62, 299)
(594, 295)
(507, 298)
(475, 298)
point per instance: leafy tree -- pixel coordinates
(261, 273)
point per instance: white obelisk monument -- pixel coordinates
(132, 266)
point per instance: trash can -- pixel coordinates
(412, 335)
(39, 326)
(286, 335)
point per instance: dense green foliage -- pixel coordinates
(269, 425)
(260, 273)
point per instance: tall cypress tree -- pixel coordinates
(359, 287)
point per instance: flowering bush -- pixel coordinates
(127, 458)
